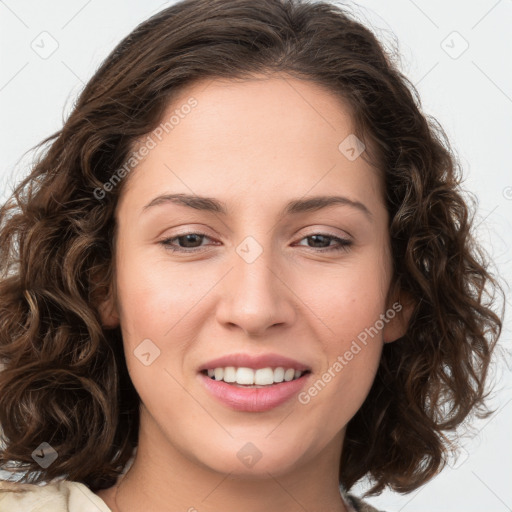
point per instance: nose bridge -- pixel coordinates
(253, 267)
(254, 297)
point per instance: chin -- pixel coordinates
(251, 460)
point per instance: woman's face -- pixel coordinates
(258, 279)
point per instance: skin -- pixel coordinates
(254, 144)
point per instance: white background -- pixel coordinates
(471, 96)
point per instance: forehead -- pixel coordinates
(257, 137)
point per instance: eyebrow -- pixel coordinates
(293, 207)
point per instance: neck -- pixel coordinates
(167, 480)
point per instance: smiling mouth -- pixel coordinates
(278, 379)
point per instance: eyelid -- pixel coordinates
(343, 244)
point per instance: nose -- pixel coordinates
(255, 296)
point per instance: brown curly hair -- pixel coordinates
(64, 378)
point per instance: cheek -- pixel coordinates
(340, 388)
(153, 310)
(352, 302)
(159, 304)
(350, 299)
(156, 298)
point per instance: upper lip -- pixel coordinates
(255, 362)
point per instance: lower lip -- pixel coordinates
(253, 399)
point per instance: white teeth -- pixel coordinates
(289, 374)
(264, 376)
(279, 374)
(244, 376)
(230, 374)
(248, 376)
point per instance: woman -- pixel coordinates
(242, 276)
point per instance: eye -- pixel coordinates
(325, 238)
(192, 242)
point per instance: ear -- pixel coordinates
(108, 312)
(106, 306)
(402, 305)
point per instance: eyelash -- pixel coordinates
(344, 244)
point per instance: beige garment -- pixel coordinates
(59, 496)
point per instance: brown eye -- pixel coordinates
(321, 242)
(187, 242)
